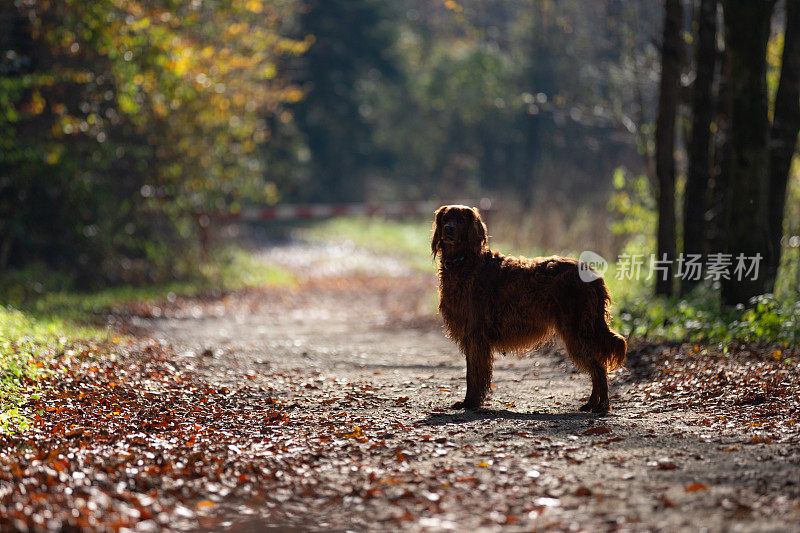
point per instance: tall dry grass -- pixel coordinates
(552, 224)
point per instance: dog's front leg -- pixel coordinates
(479, 374)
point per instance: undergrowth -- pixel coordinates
(26, 342)
(700, 317)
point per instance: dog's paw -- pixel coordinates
(596, 407)
(466, 405)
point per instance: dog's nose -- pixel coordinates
(448, 229)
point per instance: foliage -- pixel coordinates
(788, 283)
(701, 318)
(112, 112)
(633, 211)
(350, 61)
(447, 98)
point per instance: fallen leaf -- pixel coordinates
(357, 433)
(205, 504)
(599, 430)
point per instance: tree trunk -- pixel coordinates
(696, 204)
(665, 140)
(783, 135)
(747, 27)
(720, 171)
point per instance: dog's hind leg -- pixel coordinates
(608, 354)
(587, 358)
(598, 400)
(479, 374)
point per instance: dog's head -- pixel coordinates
(458, 230)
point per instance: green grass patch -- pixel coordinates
(35, 331)
(26, 343)
(407, 240)
(232, 269)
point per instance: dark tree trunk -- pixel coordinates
(720, 170)
(783, 136)
(12, 37)
(696, 199)
(665, 140)
(747, 27)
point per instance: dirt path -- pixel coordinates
(356, 348)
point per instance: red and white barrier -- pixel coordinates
(311, 211)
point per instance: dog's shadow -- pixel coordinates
(463, 417)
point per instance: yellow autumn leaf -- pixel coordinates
(53, 157)
(254, 6)
(205, 504)
(357, 433)
(36, 105)
(453, 6)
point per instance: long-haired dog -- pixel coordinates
(491, 302)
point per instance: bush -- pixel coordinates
(701, 318)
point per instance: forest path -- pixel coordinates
(361, 375)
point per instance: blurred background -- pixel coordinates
(126, 127)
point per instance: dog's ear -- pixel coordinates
(437, 230)
(476, 233)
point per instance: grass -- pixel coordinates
(34, 333)
(233, 269)
(408, 240)
(26, 342)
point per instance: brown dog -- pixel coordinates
(492, 302)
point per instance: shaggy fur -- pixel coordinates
(491, 302)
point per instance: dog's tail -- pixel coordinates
(612, 345)
(614, 351)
